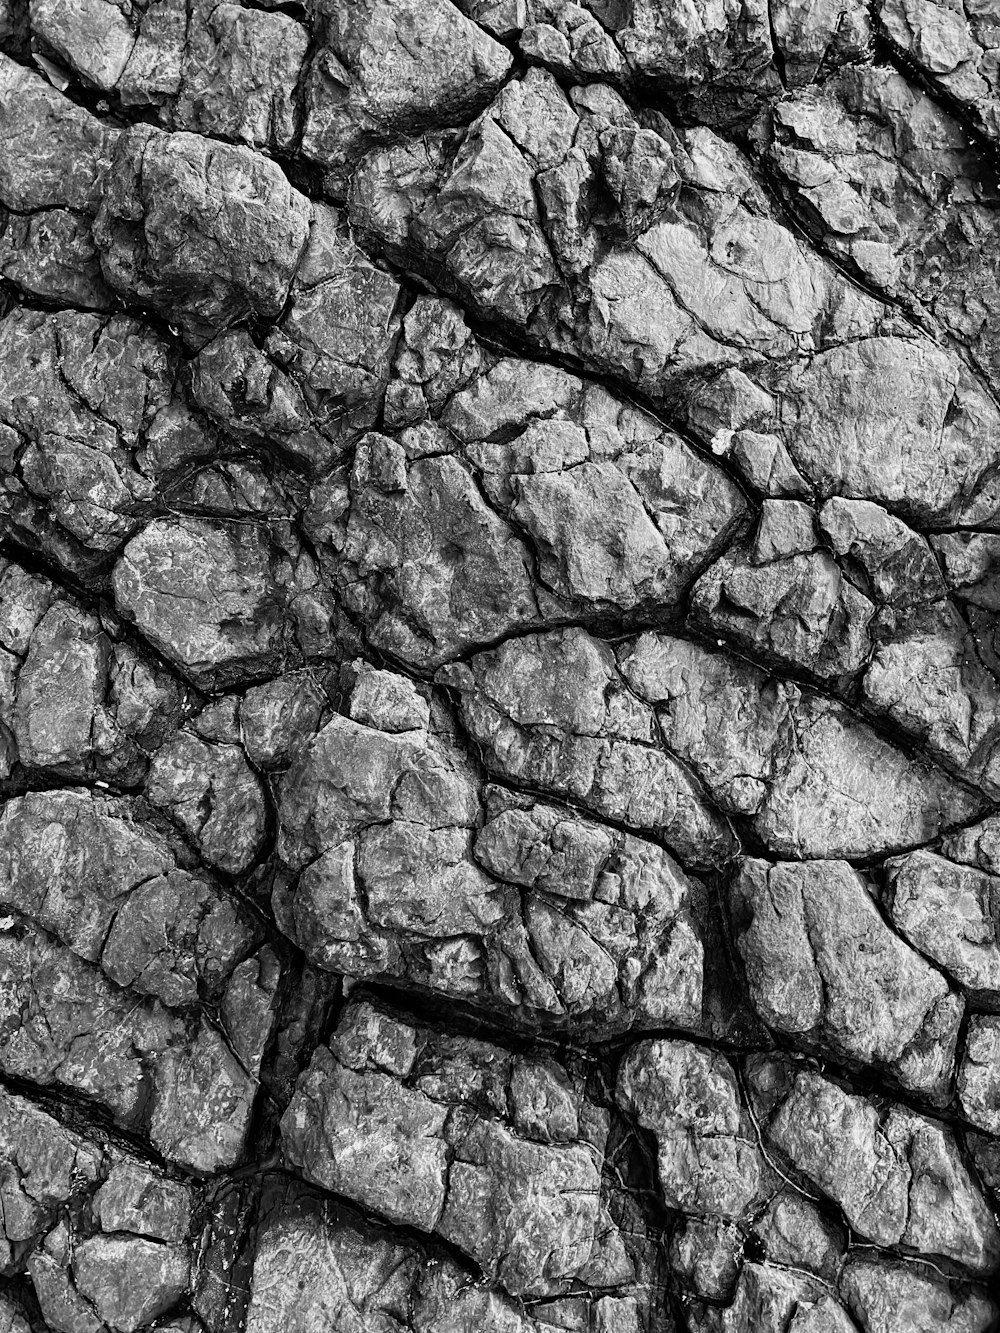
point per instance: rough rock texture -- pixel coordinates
(499, 666)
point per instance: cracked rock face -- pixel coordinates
(499, 666)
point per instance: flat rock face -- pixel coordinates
(499, 666)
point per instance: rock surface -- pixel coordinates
(499, 666)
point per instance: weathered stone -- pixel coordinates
(499, 516)
(862, 159)
(278, 717)
(955, 46)
(203, 236)
(78, 1221)
(825, 969)
(74, 1030)
(128, 1279)
(979, 1075)
(706, 1257)
(551, 711)
(527, 1206)
(239, 75)
(216, 599)
(81, 392)
(813, 38)
(708, 1158)
(785, 600)
(900, 1298)
(319, 1261)
(93, 37)
(51, 256)
(899, 1177)
(214, 796)
(404, 867)
(54, 153)
(949, 912)
(318, 381)
(133, 1199)
(813, 778)
(87, 872)
(898, 421)
(770, 1299)
(440, 539)
(329, 356)
(385, 71)
(794, 1233)
(522, 216)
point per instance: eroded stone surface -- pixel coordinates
(463, 1147)
(407, 865)
(105, 1240)
(824, 967)
(499, 658)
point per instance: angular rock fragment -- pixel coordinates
(898, 421)
(87, 871)
(419, 552)
(712, 64)
(813, 39)
(222, 70)
(706, 1257)
(894, 1297)
(75, 702)
(898, 1177)
(977, 845)
(51, 256)
(225, 602)
(714, 61)
(386, 71)
(320, 1260)
(814, 780)
(886, 180)
(405, 867)
(979, 1076)
(80, 395)
(552, 712)
(202, 235)
(786, 599)
(103, 930)
(277, 718)
(794, 1233)
(54, 153)
(92, 37)
(501, 1155)
(105, 1239)
(441, 537)
(156, 1072)
(239, 74)
(555, 213)
(825, 969)
(955, 46)
(949, 913)
(770, 1298)
(210, 791)
(318, 381)
(708, 1158)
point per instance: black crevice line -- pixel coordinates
(84, 1116)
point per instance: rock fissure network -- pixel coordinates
(499, 666)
